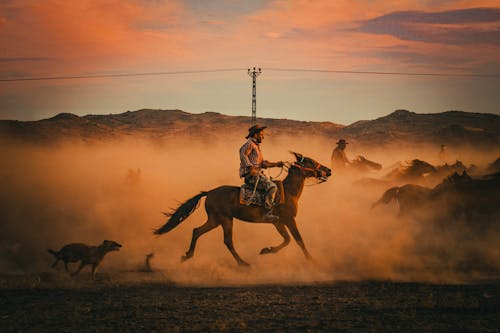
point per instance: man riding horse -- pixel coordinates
(339, 158)
(252, 164)
(222, 205)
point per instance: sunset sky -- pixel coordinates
(52, 38)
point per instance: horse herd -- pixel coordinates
(458, 195)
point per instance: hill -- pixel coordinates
(151, 124)
(400, 127)
(451, 127)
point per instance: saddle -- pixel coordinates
(248, 197)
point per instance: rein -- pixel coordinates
(288, 165)
(281, 170)
(303, 168)
(320, 179)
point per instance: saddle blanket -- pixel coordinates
(248, 197)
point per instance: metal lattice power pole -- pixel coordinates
(253, 74)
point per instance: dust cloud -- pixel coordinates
(75, 192)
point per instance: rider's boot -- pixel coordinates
(269, 205)
(269, 216)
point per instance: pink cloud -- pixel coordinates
(324, 31)
(91, 36)
(87, 36)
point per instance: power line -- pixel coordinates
(381, 73)
(121, 75)
(118, 75)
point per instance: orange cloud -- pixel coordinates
(91, 36)
(106, 36)
(323, 34)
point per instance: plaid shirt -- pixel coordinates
(250, 156)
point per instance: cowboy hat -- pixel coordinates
(342, 141)
(254, 129)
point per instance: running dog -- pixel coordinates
(87, 255)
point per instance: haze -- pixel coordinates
(73, 192)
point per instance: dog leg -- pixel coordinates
(79, 269)
(94, 269)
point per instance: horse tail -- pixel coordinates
(180, 214)
(388, 195)
(54, 253)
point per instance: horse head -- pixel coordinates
(311, 168)
(421, 167)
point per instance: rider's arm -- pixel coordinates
(267, 164)
(244, 152)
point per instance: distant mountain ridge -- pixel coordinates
(400, 126)
(447, 127)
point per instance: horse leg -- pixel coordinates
(292, 226)
(227, 226)
(197, 232)
(286, 240)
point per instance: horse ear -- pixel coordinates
(298, 156)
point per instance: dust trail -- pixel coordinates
(51, 196)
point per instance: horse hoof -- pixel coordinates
(243, 264)
(184, 258)
(266, 250)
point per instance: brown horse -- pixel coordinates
(222, 205)
(408, 197)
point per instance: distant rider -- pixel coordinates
(339, 158)
(252, 164)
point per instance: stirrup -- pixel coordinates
(270, 217)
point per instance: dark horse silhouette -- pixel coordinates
(222, 205)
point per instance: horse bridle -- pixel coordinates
(316, 170)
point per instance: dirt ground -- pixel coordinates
(135, 302)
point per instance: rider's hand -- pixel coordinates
(280, 164)
(253, 171)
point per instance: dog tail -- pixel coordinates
(180, 214)
(54, 253)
